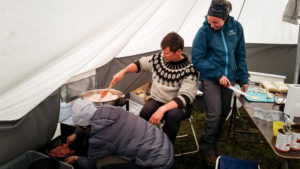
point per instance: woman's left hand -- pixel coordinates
(244, 88)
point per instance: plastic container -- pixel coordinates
(295, 145)
(283, 141)
(24, 160)
(276, 126)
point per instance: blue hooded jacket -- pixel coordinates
(221, 52)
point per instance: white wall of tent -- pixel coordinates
(53, 50)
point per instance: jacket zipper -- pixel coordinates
(226, 52)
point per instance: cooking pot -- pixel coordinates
(42, 163)
(94, 96)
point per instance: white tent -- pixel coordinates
(45, 44)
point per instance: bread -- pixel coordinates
(281, 87)
(269, 86)
(275, 87)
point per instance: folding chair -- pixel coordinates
(226, 162)
(185, 135)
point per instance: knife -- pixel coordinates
(238, 91)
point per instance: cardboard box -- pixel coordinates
(141, 94)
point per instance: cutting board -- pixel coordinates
(261, 96)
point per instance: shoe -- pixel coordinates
(218, 152)
(211, 160)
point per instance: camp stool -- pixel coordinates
(226, 162)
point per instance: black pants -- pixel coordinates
(172, 117)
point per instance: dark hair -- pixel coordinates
(172, 40)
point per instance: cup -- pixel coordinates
(295, 145)
(283, 141)
(276, 126)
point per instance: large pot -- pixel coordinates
(94, 96)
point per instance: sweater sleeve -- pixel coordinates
(240, 56)
(145, 63)
(200, 59)
(187, 92)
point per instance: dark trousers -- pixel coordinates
(217, 100)
(172, 117)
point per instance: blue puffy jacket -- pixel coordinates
(221, 52)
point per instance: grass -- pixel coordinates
(245, 146)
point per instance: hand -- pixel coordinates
(116, 78)
(224, 81)
(244, 88)
(157, 116)
(71, 159)
(71, 138)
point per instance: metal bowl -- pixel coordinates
(90, 95)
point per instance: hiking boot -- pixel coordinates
(211, 159)
(218, 152)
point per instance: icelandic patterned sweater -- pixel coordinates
(176, 81)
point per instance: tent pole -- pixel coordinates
(297, 60)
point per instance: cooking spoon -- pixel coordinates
(104, 92)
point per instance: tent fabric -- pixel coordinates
(276, 59)
(73, 90)
(45, 44)
(32, 131)
(292, 12)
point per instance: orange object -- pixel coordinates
(104, 92)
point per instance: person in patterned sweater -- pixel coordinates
(174, 84)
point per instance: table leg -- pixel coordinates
(233, 115)
(127, 105)
(285, 163)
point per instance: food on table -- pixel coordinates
(263, 91)
(269, 86)
(61, 151)
(275, 87)
(281, 87)
(254, 97)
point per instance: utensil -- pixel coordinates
(104, 93)
(238, 91)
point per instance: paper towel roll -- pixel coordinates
(292, 105)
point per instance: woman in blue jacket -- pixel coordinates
(219, 54)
